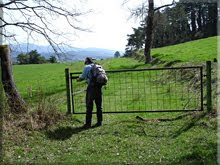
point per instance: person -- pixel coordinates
(93, 93)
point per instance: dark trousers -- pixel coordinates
(93, 93)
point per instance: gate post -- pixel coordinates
(68, 94)
(209, 85)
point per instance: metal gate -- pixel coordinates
(143, 90)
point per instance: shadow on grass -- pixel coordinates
(190, 124)
(164, 127)
(64, 133)
(200, 155)
(169, 64)
(127, 67)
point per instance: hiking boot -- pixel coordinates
(86, 126)
(98, 124)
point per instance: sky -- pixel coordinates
(109, 25)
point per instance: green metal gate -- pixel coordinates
(175, 89)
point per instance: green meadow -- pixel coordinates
(197, 51)
(194, 51)
(180, 138)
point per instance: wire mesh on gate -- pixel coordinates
(162, 89)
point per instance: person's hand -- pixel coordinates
(78, 79)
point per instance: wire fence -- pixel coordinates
(142, 90)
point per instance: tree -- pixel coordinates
(15, 101)
(149, 30)
(117, 54)
(32, 57)
(203, 17)
(22, 58)
(1, 115)
(136, 40)
(35, 57)
(35, 18)
(42, 60)
(186, 20)
(149, 21)
(52, 59)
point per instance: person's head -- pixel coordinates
(88, 61)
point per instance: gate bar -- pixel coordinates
(132, 70)
(156, 111)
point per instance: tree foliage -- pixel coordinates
(117, 54)
(32, 57)
(22, 58)
(136, 40)
(185, 21)
(52, 59)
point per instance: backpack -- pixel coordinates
(98, 75)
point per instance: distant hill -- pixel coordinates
(68, 55)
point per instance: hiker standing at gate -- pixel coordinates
(93, 92)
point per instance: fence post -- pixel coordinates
(209, 85)
(68, 95)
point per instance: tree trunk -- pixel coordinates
(193, 20)
(149, 32)
(1, 117)
(212, 19)
(15, 101)
(199, 19)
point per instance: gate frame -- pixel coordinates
(70, 77)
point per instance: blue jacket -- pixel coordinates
(86, 74)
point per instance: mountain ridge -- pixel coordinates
(70, 54)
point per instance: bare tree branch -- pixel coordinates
(38, 17)
(158, 8)
(142, 9)
(139, 12)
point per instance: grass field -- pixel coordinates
(194, 52)
(123, 139)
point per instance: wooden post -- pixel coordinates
(209, 85)
(68, 94)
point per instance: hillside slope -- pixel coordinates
(194, 51)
